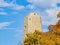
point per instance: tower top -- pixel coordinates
(33, 14)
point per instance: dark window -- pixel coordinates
(34, 13)
(25, 26)
(29, 18)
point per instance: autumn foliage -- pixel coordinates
(58, 15)
(47, 38)
(55, 28)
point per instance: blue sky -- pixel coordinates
(12, 13)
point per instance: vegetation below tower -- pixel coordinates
(40, 38)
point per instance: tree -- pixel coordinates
(56, 27)
(32, 38)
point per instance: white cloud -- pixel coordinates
(3, 13)
(30, 6)
(3, 4)
(44, 3)
(11, 5)
(4, 24)
(51, 16)
(49, 10)
(17, 7)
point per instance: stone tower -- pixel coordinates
(32, 22)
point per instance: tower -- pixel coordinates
(32, 22)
